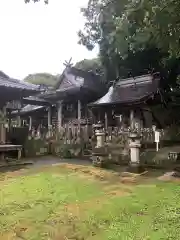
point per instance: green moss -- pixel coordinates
(35, 147)
(67, 150)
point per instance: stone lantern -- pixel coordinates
(135, 145)
(100, 135)
(99, 154)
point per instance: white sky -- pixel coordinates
(38, 37)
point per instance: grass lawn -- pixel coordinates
(61, 203)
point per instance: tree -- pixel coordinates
(131, 36)
(42, 79)
(160, 21)
(45, 1)
(131, 24)
(93, 65)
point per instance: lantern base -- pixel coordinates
(135, 168)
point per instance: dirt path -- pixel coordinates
(39, 163)
(50, 160)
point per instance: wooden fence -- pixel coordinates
(72, 134)
(147, 134)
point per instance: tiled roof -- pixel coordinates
(14, 83)
(130, 91)
(27, 109)
(75, 82)
(35, 100)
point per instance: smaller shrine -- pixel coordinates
(126, 114)
(129, 102)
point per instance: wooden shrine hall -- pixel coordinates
(67, 102)
(12, 92)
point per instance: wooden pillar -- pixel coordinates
(2, 131)
(3, 125)
(148, 118)
(49, 117)
(18, 121)
(30, 123)
(59, 115)
(2, 135)
(9, 122)
(79, 110)
(106, 120)
(131, 119)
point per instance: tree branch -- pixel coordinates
(28, 1)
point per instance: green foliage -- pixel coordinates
(42, 78)
(93, 65)
(34, 147)
(128, 32)
(160, 21)
(67, 150)
(131, 24)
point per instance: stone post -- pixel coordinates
(135, 145)
(99, 152)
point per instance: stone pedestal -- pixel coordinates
(135, 145)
